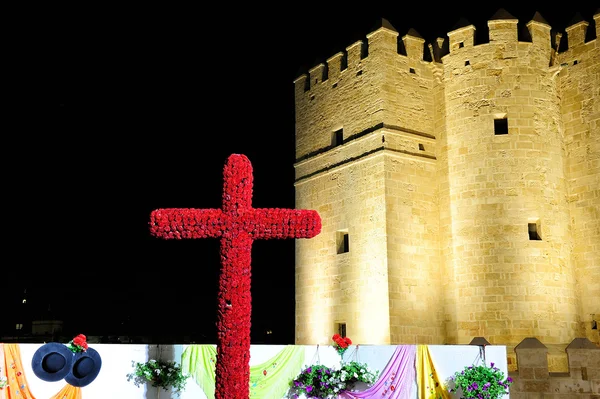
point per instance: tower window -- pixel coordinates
(411, 70)
(341, 329)
(500, 126)
(467, 62)
(534, 233)
(342, 242)
(359, 73)
(421, 147)
(337, 138)
(461, 45)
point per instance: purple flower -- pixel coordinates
(309, 388)
(509, 379)
(486, 386)
(492, 364)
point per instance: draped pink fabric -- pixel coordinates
(396, 381)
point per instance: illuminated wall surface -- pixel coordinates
(459, 193)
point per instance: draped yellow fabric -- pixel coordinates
(428, 382)
(268, 380)
(271, 379)
(68, 392)
(199, 362)
(17, 382)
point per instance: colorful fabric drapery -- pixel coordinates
(12, 369)
(271, 379)
(3, 375)
(200, 362)
(268, 380)
(428, 382)
(68, 392)
(396, 380)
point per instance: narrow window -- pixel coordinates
(342, 241)
(337, 138)
(461, 45)
(575, 62)
(359, 73)
(333, 86)
(312, 97)
(306, 85)
(19, 326)
(500, 126)
(341, 329)
(421, 147)
(412, 70)
(534, 233)
(467, 62)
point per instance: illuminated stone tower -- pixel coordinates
(458, 186)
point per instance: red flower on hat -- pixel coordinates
(78, 344)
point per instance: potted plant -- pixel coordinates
(160, 373)
(480, 382)
(357, 376)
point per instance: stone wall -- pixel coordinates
(532, 380)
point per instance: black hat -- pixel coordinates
(52, 361)
(85, 368)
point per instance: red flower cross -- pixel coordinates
(237, 225)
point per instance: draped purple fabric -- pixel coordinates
(396, 381)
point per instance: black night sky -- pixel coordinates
(119, 111)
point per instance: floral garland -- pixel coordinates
(237, 225)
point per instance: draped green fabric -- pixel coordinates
(199, 362)
(268, 380)
(271, 379)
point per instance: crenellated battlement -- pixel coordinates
(580, 380)
(503, 30)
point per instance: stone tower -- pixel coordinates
(458, 186)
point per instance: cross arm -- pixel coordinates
(285, 223)
(180, 223)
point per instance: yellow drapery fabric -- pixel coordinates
(199, 361)
(268, 380)
(271, 379)
(428, 382)
(17, 387)
(68, 392)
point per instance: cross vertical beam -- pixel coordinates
(237, 225)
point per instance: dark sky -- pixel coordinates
(123, 110)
